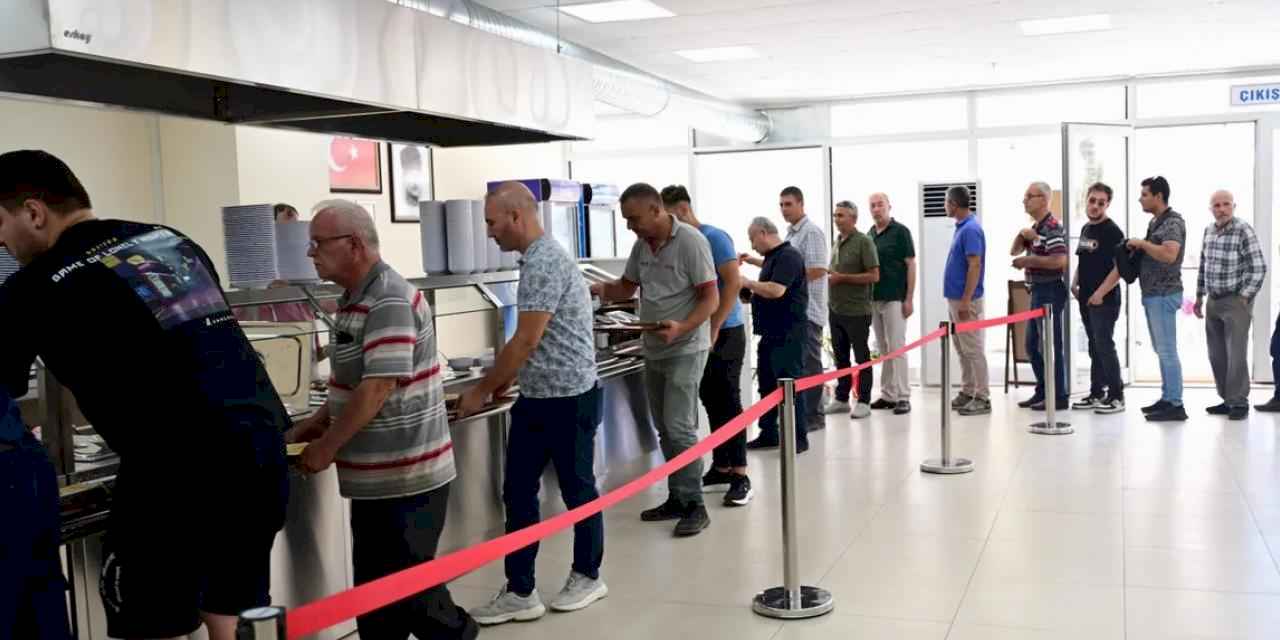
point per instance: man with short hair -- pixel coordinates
(385, 425)
(962, 287)
(1096, 255)
(284, 212)
(855, 268)
(555, 418)
(130, 317)
(892, 302)
(1045, 264)
(779, 312)
(670, 264)
(1232, 271)
(721, 386)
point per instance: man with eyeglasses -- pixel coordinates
(385, 425)
(1045, 264)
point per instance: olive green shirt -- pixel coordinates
(852, 254)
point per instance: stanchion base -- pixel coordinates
(1054, 429)
(775, 603)
(952, 467)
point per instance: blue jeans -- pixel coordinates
(1162, 323)
(1048, 293)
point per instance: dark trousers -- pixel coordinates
(33, 593)
(721, 393)
(812, 366)
(560, 431)
(852, 332)
(778, 358)
(1104, 360)
(1054, 293)
(1275, 356)
(397, 533)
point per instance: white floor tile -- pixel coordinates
(1163, 614)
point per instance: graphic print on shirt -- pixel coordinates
(166, 274)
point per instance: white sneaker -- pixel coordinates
(579, 592)
(835, 406)
(861, 410)
(508, 606)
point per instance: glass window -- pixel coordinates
(899, 116)
(658, 170)
(633, 132)
(1074, 104)
(1195, 97)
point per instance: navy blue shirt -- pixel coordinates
(784, 317)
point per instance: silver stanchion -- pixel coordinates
(946, 464)
(1050, 426)
(263, 623)
(792, 600)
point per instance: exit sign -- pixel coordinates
(1247, 95)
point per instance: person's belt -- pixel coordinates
(1219, 296)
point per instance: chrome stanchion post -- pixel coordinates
(946, 464)
(792, 600)
(1050, 426)
(262, 623)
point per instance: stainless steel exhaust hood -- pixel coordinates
(356, 67)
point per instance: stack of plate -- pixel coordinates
(250, 233)
(8, 266)
(292, 241)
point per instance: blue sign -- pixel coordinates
(1247, 95)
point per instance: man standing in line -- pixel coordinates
(721, 385)
(1232, 271)
(965, 270)
(670, 264)
(809, 239)
(385, 425)
(555, 418)
(892, 301)
(779, 306)
(855, 268)
(1160, 276)
(1045, 263)
(1273, 405)
(1096, 251)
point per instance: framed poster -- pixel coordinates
(355, 166)
(410, 179)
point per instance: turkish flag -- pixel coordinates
(354, 165)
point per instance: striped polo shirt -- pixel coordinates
(383, 329)
(1051, 240)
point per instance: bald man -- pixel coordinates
(1232, 270)
(554, 420)
(892, 300)
(1045, 265)
(384, 425)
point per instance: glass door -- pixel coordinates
(1093, 153)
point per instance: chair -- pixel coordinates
(1016, 335)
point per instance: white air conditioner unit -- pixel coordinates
(936, 231)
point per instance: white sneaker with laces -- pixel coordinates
(835, 406)
(579, 592)
(508, 606)
(861, 410)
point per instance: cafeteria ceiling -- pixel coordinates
(814, 50)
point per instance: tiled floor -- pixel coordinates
(1123, 530)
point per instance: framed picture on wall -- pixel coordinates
(355, 165)
(410, 179)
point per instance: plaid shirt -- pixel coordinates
(811, 242)
(1231, 262)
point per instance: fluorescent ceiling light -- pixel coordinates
(1077, 24)
(617, 11)
(719, 54)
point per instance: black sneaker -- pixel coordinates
(1110, 406)
(1238, 413)
(763, 443)
(960, 400)
(740, 492)
(1088, 402)
(1218, 410)
(1159, 406)
(817, 425)
(717, 480)
(669, 510)
(802, 447)
(903, 406)
(692, 521)
(1027, 404)
(883, 404)
(1060, 405)
(1171, 414)
(1272, 406)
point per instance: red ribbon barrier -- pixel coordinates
(329, 611)
(978, 325)
(823, 378)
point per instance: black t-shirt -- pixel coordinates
(131, 318)
(1096, 252)
(786, 316)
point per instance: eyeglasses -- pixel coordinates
(315, 243)
(1032, 197)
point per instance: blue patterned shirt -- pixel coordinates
(564, 362)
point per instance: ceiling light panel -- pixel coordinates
(1075, 24)
(617, 11)
(719, 54)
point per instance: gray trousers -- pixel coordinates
(812, 367)
(672, 387)
(1226, 327)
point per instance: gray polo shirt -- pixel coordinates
(669, 280)
(1155, 277)
(564, 363)
(811, 242)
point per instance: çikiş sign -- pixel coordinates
(1252, 94)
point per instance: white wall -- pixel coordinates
(198, 178)
(464, 172)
